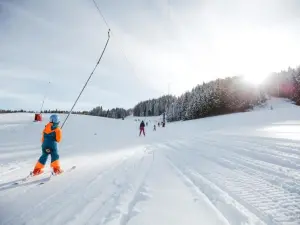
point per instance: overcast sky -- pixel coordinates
(154, 43)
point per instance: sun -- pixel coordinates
(255, 79)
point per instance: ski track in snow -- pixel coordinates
(262, 178)
(104, 206)
(98, 199)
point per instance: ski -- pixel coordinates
(29, 178)
(43, 180)
(54, 175)
(65, 171)
(21, 181)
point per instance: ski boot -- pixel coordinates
(38, 169)
(57, 171)
(56, 168)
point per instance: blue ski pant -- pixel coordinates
(46, 152)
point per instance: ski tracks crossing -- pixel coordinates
(253, 179)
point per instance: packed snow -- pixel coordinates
(234, 169)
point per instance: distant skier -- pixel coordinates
(158, 124)
(154, 127)
(147, 124)
(142, 128)
(52, 135)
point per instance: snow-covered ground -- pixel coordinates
(235, 169)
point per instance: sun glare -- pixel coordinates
(255, 80)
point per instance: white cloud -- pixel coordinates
(153, 43)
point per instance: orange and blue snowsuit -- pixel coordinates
(52, 135)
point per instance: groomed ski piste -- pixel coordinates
(237, 169)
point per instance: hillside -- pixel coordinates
(235, 169)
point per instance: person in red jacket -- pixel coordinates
(142, 128)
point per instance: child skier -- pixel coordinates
(154, 128)
(52, 135)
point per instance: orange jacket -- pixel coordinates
(51, 133)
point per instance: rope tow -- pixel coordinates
(45, 95)
(87, 80)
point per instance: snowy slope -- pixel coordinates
(236, 169)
